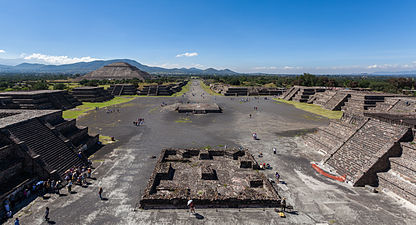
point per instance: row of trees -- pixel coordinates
(376, 83)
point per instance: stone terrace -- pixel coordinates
(329, 139)
(401, 178)
(367, 151)
(363, 101)
(122, 89)
(38, 144)
(211, 178)
(40, 99)
(91, 94)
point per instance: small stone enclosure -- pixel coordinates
(211, 178)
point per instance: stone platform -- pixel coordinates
(199, 108)
(211, 178)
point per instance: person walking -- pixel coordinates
(100, 192)
(47, 214)
(16, 221)
(274, 151)
(283, 204)
(277, 177)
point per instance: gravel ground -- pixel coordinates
(123, 168)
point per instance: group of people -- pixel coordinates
(140, 121)
(35, 188)
(77, 175)
(112, 110)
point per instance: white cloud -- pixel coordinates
(51, 59)
(2, 51)
(175, 65)
(187, 54)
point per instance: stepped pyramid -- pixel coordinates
(116, 71)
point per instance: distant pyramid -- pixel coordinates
(116, 71)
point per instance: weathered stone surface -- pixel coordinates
(116, 71)
(211, 178)
(41, 99)
(199, 108)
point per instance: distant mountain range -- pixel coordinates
(85, 67)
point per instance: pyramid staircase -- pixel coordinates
(52, 150)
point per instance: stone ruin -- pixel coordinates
(161, 90)
(211, 178)
(199, 108)
(91, 94)
(116, 71)
(376, 149)
(245, 91)
(38, 144)
(351, 101)
(122, 89)
(301, 93)
(40, 99)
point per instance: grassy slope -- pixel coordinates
(87, 106)
(207, 89)
(316, 109)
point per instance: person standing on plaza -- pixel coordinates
(100, 192)
(47, 214)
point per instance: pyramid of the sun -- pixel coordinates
(117, 71)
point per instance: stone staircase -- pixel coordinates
(321, 98)
(401, 178)
(303, 95)
(52, 150)
(367, 151)
(336, 101)
(291, 93)
(117, 90)
(328, 139)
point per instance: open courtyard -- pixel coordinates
(124, 167)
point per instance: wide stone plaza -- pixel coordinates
(123, 169)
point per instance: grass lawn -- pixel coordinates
(87, 106)
(316, 109)
(207, 89)
(105, 86)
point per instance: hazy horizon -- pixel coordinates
(286, 37)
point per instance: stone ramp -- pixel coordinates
(51, 149)
(367, 151)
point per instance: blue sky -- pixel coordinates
(281, 36)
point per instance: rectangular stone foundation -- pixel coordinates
(199, 108)
(215, 180)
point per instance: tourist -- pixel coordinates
(69, 187)
(89, 171)
(274, 150)
(277, 177)
(100, 192)
(47, 214)
(249, 116)
(16, 221)
(191, 206)
(283, 204)
(57, 186)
